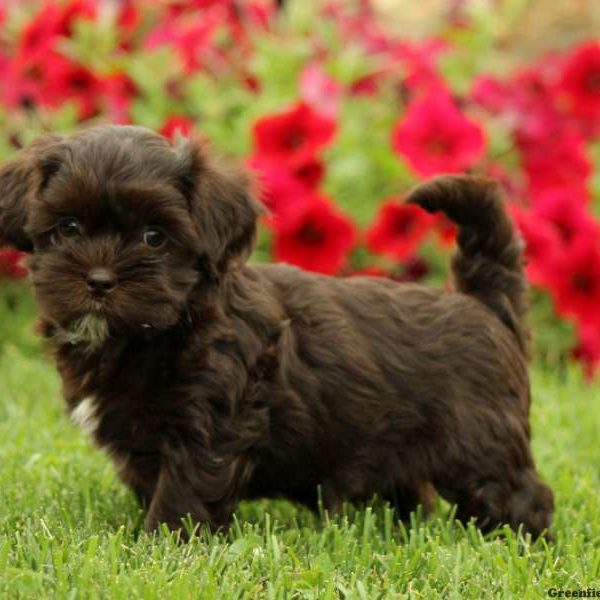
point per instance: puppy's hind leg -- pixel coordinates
(407, 498)
(532, 504)
(517, 498)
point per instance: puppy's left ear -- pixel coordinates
(222, 204)
(20, 179)
(15, 183)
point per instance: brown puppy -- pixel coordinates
(209, 380)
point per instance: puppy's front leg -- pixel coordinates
(200, 485)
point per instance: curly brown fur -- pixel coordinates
(209, 380)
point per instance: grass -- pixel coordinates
(68, 529)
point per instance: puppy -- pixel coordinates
(209, 380)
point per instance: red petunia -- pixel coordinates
(580, 83)
(435, 136)
(418, 63)
(319, 90)
(280, 192)
(564, 210)
(398, 230)
(10, 264)
(177, 125)
(491, 93)
(526, 102)
(574, 281)
(587, 350)
(79, 84)
(415, 269)
(309, 172)
(128, 21)
(359, 27)
(192, 39)
(49, 80)
(119, 91)
(371, 271)
(316, 237)
(558, 160)
(366, 85)
(53, 20)
(445, 230)
(24, 84)
(542, 245)
(293, 136)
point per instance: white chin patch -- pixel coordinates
(90, 329)
(85, 415)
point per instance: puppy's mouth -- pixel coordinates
(91, 330)
(88, 325)
(100, 307)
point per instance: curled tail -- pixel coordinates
(488, 263)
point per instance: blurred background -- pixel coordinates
(339, 107)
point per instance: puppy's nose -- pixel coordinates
(100, 281)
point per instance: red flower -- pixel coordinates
(315, 237)
(293, 136)
(10, 264)
(398, 230)
(371, 271)
(309, 173)
(434, 136)
(445, 229)
(419, 65)
(366, 85)
(177, 124)
(280, 192)
(558, 160)
(39, 35)
(358, 27)
(533, 107)
(575, 280)
(24, 83)
(587, 350)
(119, 92)
(49, 80)
(319, 90)
(179, 6)
(542, 245)
(414, 270)
(491, 93)
(52, 21)
(526, 102)
(78, 83)
(580, 83)
(563, 209)
(128, 20)
(191, 38)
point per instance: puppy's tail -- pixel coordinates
(488, 263)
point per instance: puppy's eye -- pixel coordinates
(154, 237)
(69, 227)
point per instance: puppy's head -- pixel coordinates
(122, 226)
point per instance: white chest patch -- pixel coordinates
(85, 415)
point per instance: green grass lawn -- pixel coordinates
(68, 529)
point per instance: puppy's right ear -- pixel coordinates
(20, 179)
(221, 202)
